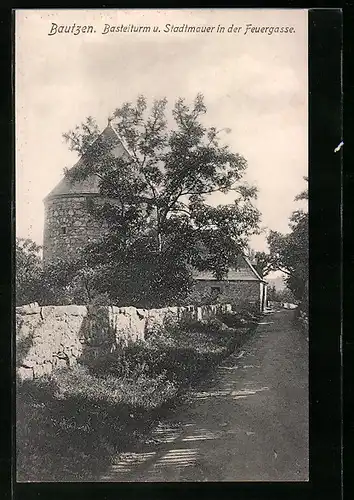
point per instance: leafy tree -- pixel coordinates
(264, 263)
(58, 284)
(158, 223)
(67, 282)
(290, 251)
(28, 271)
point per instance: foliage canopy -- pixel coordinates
(158, 224)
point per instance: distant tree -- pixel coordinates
(304, 195)
(283, 295)
(286, 295)
(159, 224)
(263, 263)
(28, 271)
(290, 251)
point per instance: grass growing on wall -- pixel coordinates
(71, 423)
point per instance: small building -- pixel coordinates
(243, 287)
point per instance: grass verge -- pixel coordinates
(70, 424)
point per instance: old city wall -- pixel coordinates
(51, 337)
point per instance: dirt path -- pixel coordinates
(248, 423)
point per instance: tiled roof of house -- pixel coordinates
(245, 272)
(90, 185)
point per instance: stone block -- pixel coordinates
(70, 310)
(38, 371)
(137, 325)
(199, 314)
(26, 325)
(113, 309)
(47, 368)
(47, 311)
(25, 373)
(71, 361)
(128, 310)
(75, 351)
(29, 363)
(120, 323)
(60, 363)
(33, 308)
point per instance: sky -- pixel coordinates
(253, 83)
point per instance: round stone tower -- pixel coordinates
(68, 224)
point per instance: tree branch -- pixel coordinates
(285, 271)
(180, 210)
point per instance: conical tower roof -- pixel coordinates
(67, 187)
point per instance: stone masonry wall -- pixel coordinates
(237, 293)
(51, 337)
(68, 227)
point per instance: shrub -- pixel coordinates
(233, 320)
(237, 319)
(179, 352)
(81, 418)
(53, 444)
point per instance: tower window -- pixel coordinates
(63, 230)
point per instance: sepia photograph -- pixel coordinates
(161, 245)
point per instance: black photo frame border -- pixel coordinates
(325, 208)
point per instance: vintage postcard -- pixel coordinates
(161, 245)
